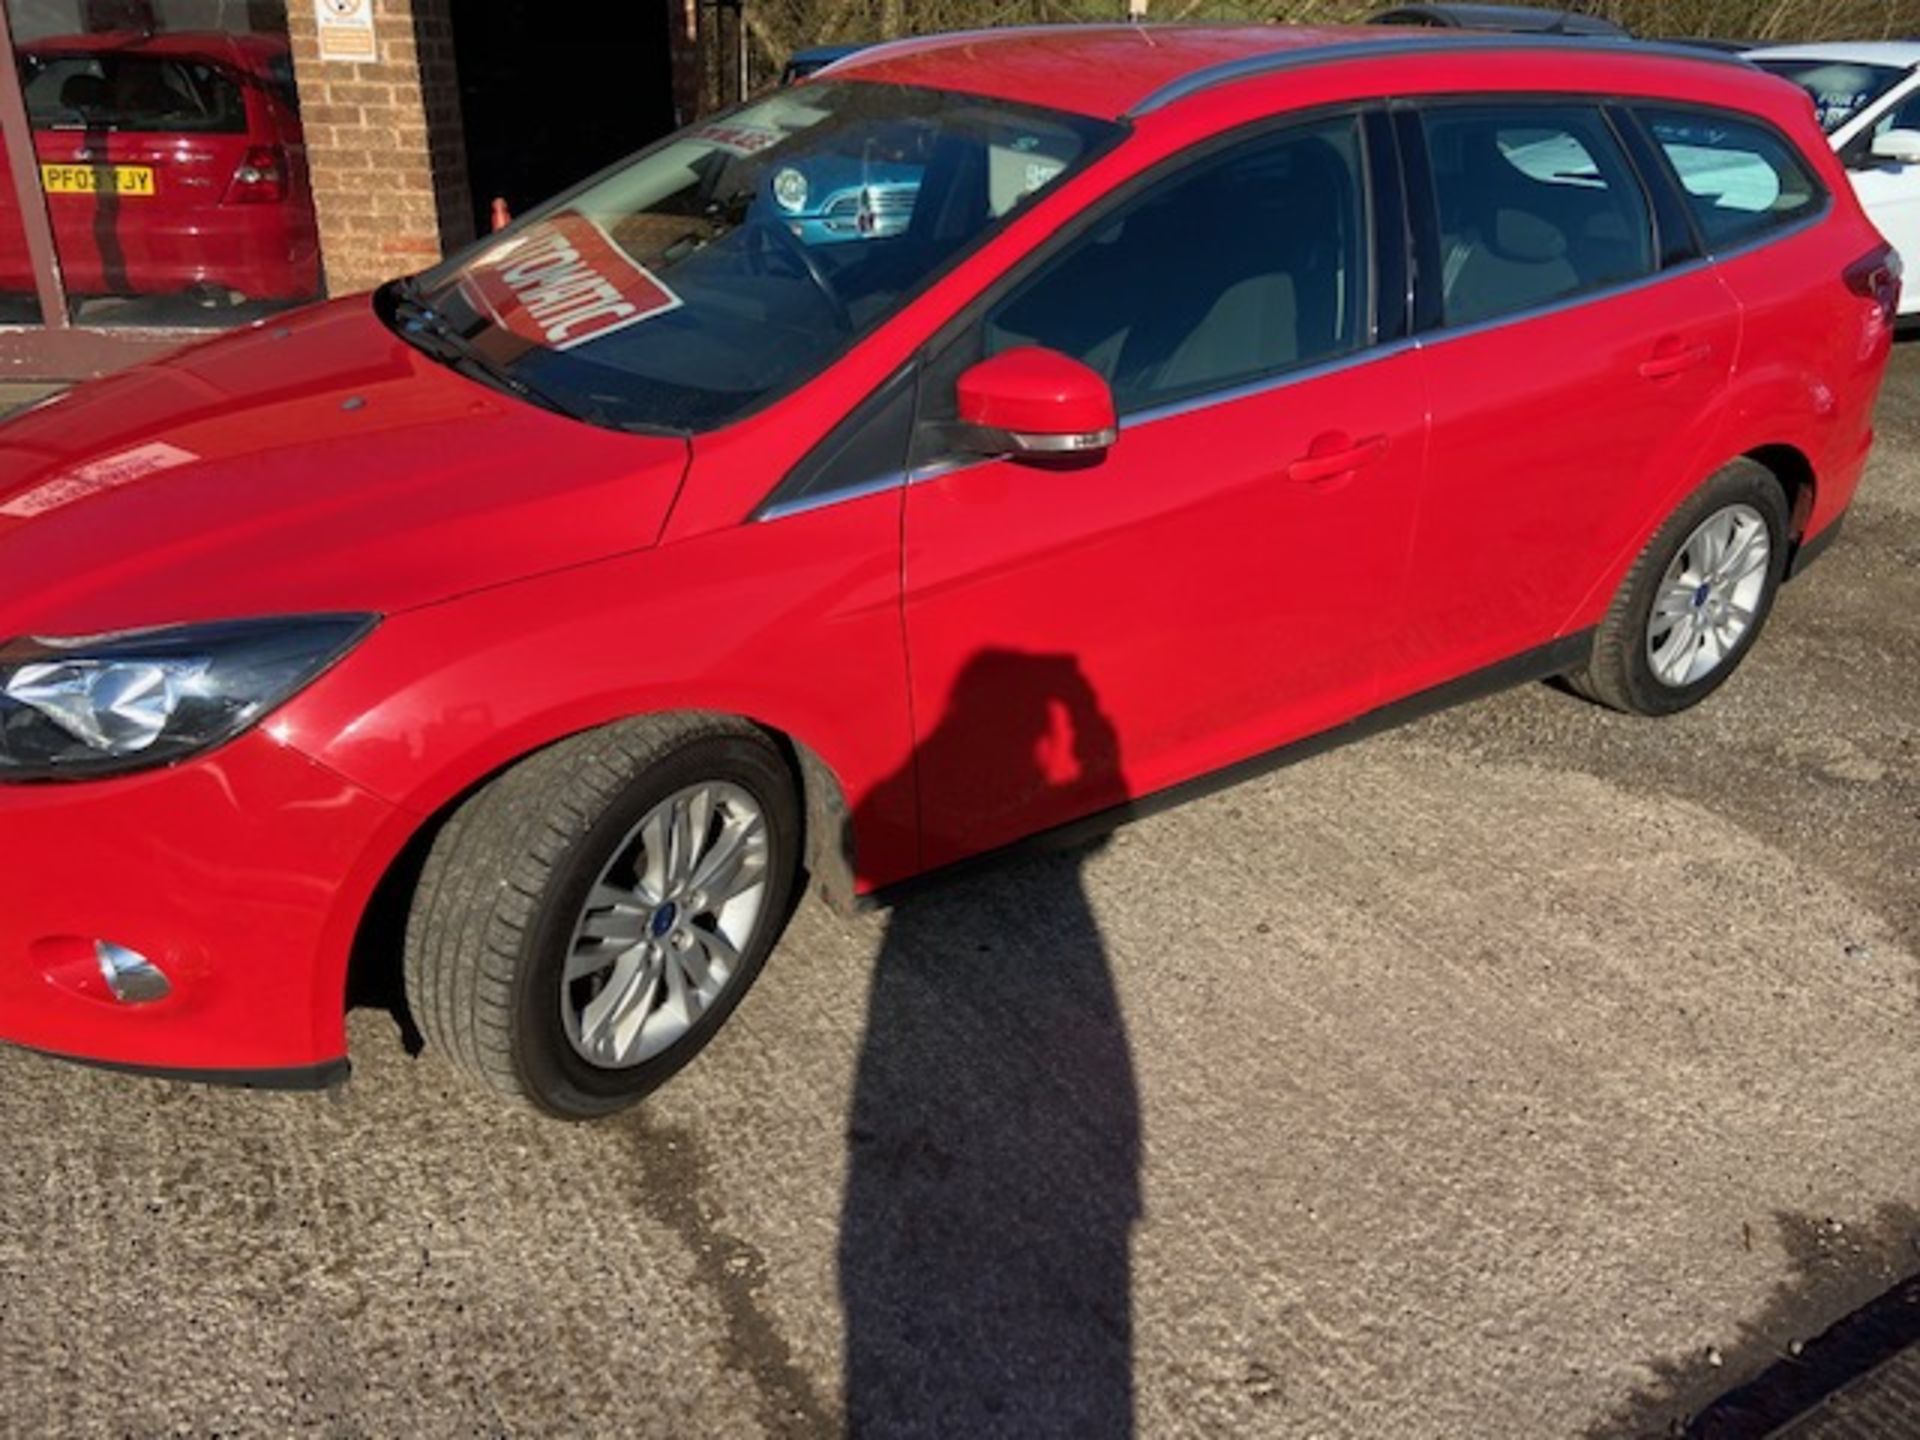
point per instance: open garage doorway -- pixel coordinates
(551, 93)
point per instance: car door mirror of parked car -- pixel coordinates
(1900, 146)
(1034, 401)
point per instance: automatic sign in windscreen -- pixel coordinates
(735, 260)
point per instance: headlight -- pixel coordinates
(107, 704)
(790, 189)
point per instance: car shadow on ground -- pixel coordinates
(994, 1137)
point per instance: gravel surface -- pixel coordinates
(1529, 1071)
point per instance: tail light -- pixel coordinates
(261, 178)
(1875, 276)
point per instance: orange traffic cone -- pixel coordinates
(502, 217)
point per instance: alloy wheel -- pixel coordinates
(660, 937)
(1709, 597)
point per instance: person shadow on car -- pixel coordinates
(994, 1138)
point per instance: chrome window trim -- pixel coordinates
(1782, 232)
(1275, 380)
(951, 465)
(1444, 333)
(1441, 333)
(1252, 66)
(800, 505)
(1139, 419)
(1207, 400)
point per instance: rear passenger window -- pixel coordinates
(1740, 179)
(1536, 203)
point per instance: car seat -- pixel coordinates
(1498, 252)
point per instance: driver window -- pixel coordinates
(1244, 265)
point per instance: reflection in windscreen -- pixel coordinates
(736, 259)
(1841, 89)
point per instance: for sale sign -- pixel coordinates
(564, 283)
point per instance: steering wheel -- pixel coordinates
(771, 249)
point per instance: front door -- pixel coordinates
(1219, 581)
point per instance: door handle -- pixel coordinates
(1333, 455)
(1670, 358)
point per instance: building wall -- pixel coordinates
(384, 143)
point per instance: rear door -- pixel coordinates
(1570, 346)
(1220, 580)
(1767, 219)
(133, 145)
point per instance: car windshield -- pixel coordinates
(1841, 89)
(735, 260)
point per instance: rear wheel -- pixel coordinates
(587, 921)
(1695, 600)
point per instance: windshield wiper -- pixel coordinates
(427, 329)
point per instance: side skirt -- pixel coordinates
(1554, 658)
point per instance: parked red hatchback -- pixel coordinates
(1223, 391)
(172, 164)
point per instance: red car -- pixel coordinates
(172, 164)
(1229, 392)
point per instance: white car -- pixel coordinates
(1867, 94)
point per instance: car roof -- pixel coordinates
(1902, 53)
(1113, 71)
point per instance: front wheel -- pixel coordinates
(1695, 601)
(588, 920)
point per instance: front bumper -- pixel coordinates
(241, 876)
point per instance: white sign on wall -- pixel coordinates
(346, 30)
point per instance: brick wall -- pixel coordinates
(383, 141)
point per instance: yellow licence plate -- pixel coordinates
(97, 179)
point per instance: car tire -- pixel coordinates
(510, 924)
(1691, 607)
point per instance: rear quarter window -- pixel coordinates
(1741, 178)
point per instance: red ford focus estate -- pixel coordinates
(529, 630)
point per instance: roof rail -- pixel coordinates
(909, 44)
(1427, 42)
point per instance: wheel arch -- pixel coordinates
(1785, 460)
(1789, 465)
(373, 976)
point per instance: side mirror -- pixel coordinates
(1033, 401)
(1900, 146)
